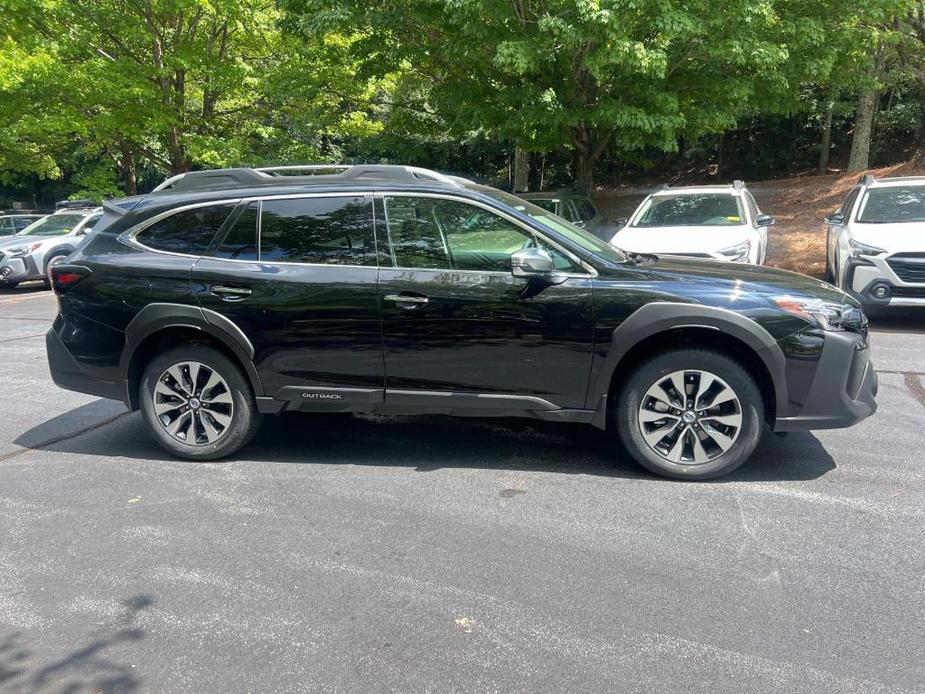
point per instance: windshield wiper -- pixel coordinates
(640, 258)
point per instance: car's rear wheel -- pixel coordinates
(690, 414)
(197, 403)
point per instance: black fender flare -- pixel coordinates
(660, 317)
(156, 317)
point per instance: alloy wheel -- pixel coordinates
(690, 417)
(193, 403)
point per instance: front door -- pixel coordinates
(298, 276)
(459, 330)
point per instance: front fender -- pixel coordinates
(660, 317)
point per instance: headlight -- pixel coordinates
(828, 315)
(860, 250)
(21, 251)
(737, 253)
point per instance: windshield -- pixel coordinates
(53, 225)
(576, 235)
(893, 205)
(691, 210)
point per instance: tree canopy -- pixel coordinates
(104, 92)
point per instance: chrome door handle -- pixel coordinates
(406, 302)
(231, 293)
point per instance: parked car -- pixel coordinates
(875, 242)
(236, 293)
(713, 222)
(576, 208)
(30, 254)
(14, 223)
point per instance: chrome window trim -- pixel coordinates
(501, 213)
(128, 237)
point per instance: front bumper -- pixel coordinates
(844, 387)
(873, 282)
(18, 269)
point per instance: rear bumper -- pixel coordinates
(844, 387)
(66, 372)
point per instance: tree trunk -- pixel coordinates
(825, 141)
(127, 165)
(521, 170)
(863, 126)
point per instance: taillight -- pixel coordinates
(64, 277)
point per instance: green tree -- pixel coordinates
(169, 83)
(588, 75)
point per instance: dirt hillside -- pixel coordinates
(799, 203)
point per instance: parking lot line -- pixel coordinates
(24, 297)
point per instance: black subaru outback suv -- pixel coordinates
(231, 294)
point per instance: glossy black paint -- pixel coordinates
(484, 342)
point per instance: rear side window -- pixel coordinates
(188, 232)
(335, 230)
(240, 243)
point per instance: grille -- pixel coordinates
(909, 267)
(909, 292)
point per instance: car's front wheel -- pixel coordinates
(690, 414)
(197, 403)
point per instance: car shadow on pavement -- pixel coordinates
(88, 668)
(428, 443)
(899, 320)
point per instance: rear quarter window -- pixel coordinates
(188, 232)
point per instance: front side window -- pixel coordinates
(335, 230)
(691, 210)
(752, 207)
(848, 203)
(437, 233)
(188, 232)
(893, 205)
(90, 224)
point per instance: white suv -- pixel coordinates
(875, 242)
(30, 254)
(713, 222)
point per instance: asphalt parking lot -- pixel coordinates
(432, 554)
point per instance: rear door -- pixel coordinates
(297, 275)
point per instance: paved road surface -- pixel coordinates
(429, 554)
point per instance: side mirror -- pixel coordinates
(765, 220)
(835, 219)
(620, 222)
(531, 262)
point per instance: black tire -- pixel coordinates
(8, 285)
(626, 413)
(244, 422)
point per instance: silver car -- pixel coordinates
(30, 254)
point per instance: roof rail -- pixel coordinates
(867, 179)
(738, 185)
(193, 180)
(75, 204)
